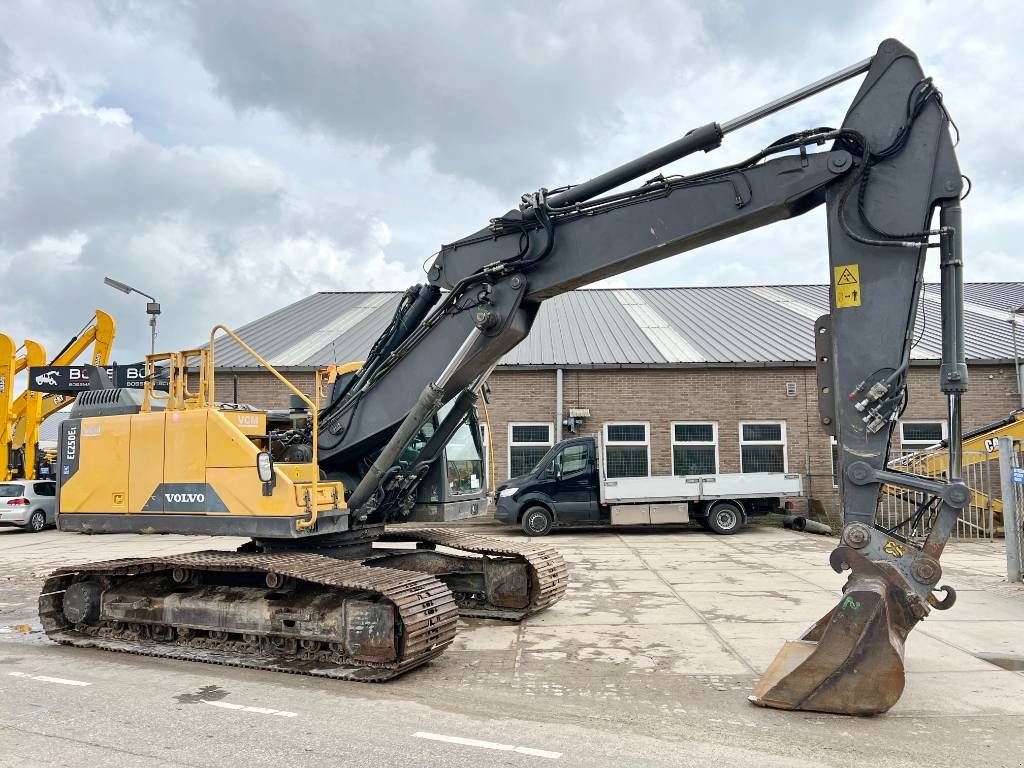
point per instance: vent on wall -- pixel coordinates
(790, 389)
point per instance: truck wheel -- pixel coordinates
(37, 521)
(726, 517)
(536, 521)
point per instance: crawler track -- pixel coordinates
(548, 574)
(425, 614)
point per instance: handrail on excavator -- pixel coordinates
(314, 406)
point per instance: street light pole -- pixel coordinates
(152, 307)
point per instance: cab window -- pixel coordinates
(569, 461)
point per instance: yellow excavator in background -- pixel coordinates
(979, 445)
(22, 416)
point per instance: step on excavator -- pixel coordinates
(22, 416)
(323, 587)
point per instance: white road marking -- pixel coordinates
(47, 679)
(488, 745)
(254, 710)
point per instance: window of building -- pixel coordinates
(763, 446)
(835, 462)
(527, 444)
(916, 435)
(627, 451)
(694, 448)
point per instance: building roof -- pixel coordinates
(642, 327)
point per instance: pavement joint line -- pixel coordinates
(253, 710)
(721, 639)
(487, 745)
(48, 679)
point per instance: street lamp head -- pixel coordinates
(117, 284)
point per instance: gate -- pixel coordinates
(910, 513)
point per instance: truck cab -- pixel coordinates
(563, 489)
(568, 487)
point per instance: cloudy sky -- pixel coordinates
(232, 157)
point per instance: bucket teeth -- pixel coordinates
(850, 662)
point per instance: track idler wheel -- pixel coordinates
(850, 662)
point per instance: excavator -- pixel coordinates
(13, 410)
(21, 416)
(323, 587)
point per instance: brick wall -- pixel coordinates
(660, 396)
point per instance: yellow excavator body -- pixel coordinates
(182, 471)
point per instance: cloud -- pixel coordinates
(231, 157)
(216, 233)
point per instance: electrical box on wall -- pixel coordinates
(576, 418)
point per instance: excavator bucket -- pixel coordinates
(850, 662)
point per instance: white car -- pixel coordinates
(28, 504)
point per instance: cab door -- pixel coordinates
(575, 483)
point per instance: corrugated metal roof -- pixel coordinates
(736, 325)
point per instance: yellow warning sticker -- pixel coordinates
(847, 285)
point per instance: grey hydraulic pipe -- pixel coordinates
(798, 95)
(706, 138)
(953, 372)
(428, 403)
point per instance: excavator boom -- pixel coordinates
(880, 176)
(889, 167)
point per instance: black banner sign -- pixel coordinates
(81, 378)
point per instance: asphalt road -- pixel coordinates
(643, 664)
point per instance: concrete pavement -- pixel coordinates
(647, 661)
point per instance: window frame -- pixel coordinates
(618, 443)
(783, 439)
(485, 443)
(511, 444)
(917, 445)
(569, 447)
(714, 442)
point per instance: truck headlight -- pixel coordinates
(507, 492)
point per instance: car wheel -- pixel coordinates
(536, 521)
(37, 521)
(726, 517)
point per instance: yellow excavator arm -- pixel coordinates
(30, 409)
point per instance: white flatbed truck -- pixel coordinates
(569, 486)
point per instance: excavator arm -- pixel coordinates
(30, 409)
(883, 175)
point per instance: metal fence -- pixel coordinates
(911, 512)
(1011, 462)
